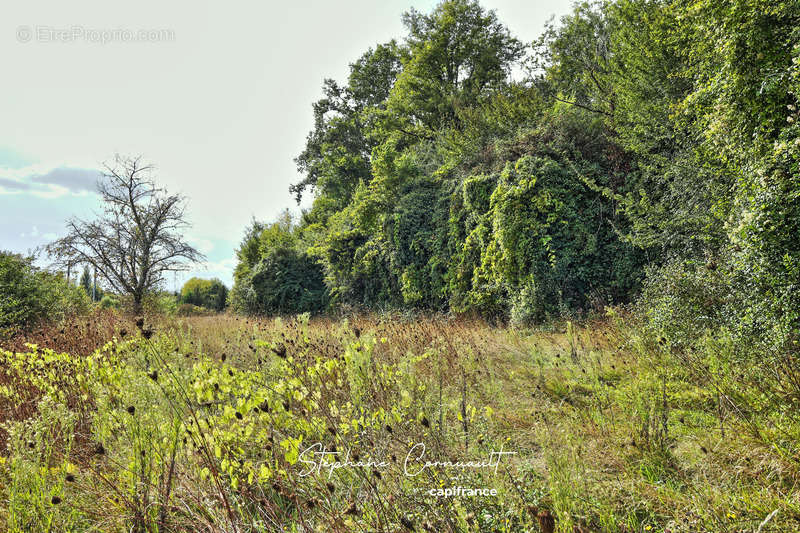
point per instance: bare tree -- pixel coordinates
(137, 238)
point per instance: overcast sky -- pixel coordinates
(216, 95)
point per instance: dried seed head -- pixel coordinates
(407, 523)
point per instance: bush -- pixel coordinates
(283, 282)
(29, 295)
(209, 293)
(685, 299)
(109, 302)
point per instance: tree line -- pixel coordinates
(647, 152)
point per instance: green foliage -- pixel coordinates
(29, 295)
(272, 276)
(549, 237)
(283, 282)
(209, 293)
(457, 55)
(646, 134)
(109, 302)
(89, 286)
(162, 302)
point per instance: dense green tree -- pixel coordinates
(273, 275)
(457, 56)
(337, 153)
(209, 293)
(86, 281)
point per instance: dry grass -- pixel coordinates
(608, 436)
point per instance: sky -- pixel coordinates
(216, 95)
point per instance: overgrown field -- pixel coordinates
(205, 424)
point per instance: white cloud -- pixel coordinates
(48, 181)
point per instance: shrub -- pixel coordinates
(208, 293)
(283, 282)
(29, 295)
(109, 302)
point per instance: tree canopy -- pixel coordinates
(640, 148)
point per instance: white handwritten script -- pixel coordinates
(316, 459)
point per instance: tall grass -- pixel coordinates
(200, 423)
